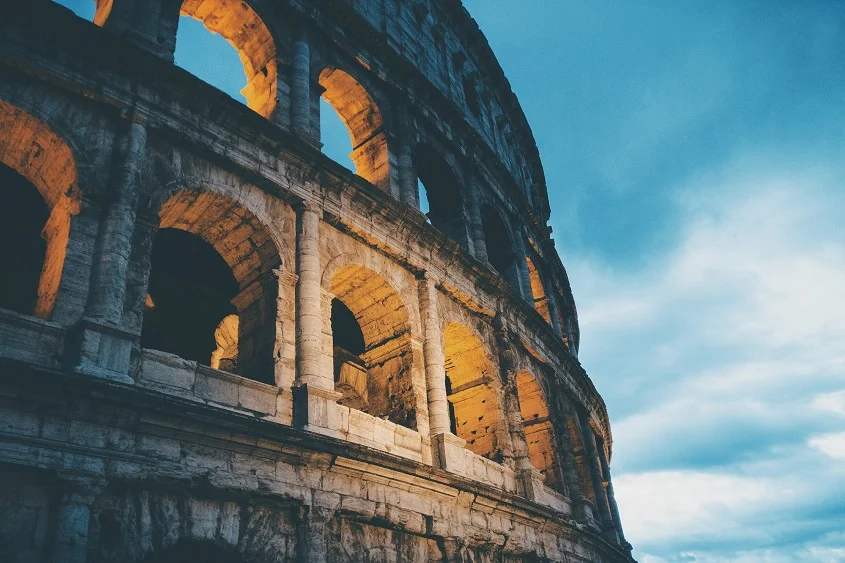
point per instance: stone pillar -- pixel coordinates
(109, 284)
(453, 549)
(530, 479)
(479, 244)
(311, 545)
(149, 24)
(522, 267)
(611, 497)
(300, 102)
(435, 371)
(105, 345)
(580, 503)
(314, 396)
(443, 442)
(408, 193)
(70, 542)
(591, 451)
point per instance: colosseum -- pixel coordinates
(219, 344)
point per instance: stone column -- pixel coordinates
(581, 504)
(453, 549)
(311, 545)
(530, 479)
(105, 345)
(477, 224)
(442, 440)
(109, 287)
(435, 371)
(591, 451)
(70, 542)
(522, 267)
(300, 102)
(408, 192)
(611, 497)
(314, 396)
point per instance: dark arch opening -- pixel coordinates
(441, 191)
(189, 295)
(350, 369)
(200, 551)
(500, 251)
(22, 249)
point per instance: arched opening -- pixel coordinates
(364, 122)
(39, 179)
(335, 136)
(237, 23)
(539, 433)
(22, 249)
(350, 368)
(212, 292)
(205, 551)
(440, 193)
(189, 294)
(372, 346)
(469, 388)
(538, 292)
(500, 250)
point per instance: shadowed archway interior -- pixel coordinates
(215, 261)
(368, 311)
(39, 180)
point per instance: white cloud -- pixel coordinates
(722, 363)
(832, 445)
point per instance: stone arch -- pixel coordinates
(205, 551)
(443, 191)
(364, 121)
(470, 377)
(500, 245)
(239, 23)
(538, 291)
(539, 434)
(43, 158)
(381, 383)
(247, 250)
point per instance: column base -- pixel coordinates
(104, 351)
(532, 484)
(315, 410)
(448, 453)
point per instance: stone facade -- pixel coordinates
(178, 383)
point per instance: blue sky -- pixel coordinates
(694, 157)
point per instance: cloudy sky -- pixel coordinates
(695, 157)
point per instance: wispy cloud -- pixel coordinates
(723, 361)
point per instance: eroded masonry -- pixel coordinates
(218, 344)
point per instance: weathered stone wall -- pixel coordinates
(114, 452)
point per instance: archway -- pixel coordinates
(370, 318)
(204, 551)
(469, 385)
(212, 260)
(34, 158)
(365, 124)
(440, 189)
(500, 249)
(538, 292)
(539, 433)
(238, 23)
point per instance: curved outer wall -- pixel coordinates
(464, 429)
